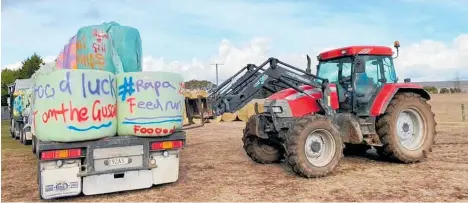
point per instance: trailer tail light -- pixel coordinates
(176, 144)
(61, 154)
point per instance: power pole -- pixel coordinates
(216, 64)
(217, 84)
(457, 81)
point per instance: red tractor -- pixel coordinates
(353, 102)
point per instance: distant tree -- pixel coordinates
(30, 66)
(8, 77)
(450, 90)
(431, 89)
(199, 85)
(444, 90)
(456, 90)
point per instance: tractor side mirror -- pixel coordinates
(359, 66)
(407, 80)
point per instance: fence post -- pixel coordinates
(463, 112)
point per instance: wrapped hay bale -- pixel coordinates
(229, 117)
(219, 119)
(184, 115)
(76, 105)
(150, 103)
(109, 46)
(242, 114)
(249, 109)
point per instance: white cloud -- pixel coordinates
(427, 60)
(431, 60)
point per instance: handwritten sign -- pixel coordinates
(74, 105)
(149, 103)
(108, 46)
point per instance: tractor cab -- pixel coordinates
(359, 72)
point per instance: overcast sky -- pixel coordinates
(186, 36)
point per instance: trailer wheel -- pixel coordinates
(12, 128)
(314, 147)
(21, 136)
(407, 129)
(261, 150)
(34, 144)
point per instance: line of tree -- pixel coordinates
(199, 85)
(28, 67)
(434, 90)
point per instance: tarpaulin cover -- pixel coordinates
(149, 103)
(74, 105)
(108, 46)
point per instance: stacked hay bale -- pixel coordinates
(244, 113)
(193, 95)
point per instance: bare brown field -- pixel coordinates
(214, 167)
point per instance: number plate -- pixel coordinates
(118, 161)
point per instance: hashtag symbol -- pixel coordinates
(126, 88)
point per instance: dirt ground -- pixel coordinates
(214, 167)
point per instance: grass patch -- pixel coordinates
(9, 143)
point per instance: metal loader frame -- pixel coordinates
(230, 97)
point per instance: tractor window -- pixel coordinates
(389, 69)
(329, 69)
(373, 70)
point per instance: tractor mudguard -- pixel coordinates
(388, 91)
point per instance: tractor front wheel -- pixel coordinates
(261, 150)
(314, 147)
(407, 129)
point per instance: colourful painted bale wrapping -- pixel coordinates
(149, 103)
(108, 46)
(74, 105)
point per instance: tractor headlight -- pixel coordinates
(277, 109)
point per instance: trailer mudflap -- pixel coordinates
(166, 168)
(59, 181)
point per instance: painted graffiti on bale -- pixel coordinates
(80, 101)
(149, 103)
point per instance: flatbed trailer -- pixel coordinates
(113, 164)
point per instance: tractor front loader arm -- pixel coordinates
(230, 97)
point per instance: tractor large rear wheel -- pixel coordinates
(407, 129)
(314, 147)
(261, 150)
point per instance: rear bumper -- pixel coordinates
(64, 181)
(93, 174)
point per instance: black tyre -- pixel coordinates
(21, 136)
(34, 144)
(261, 150)
(314, 147)
(407, 129)
(355, 149)
(12, 128)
